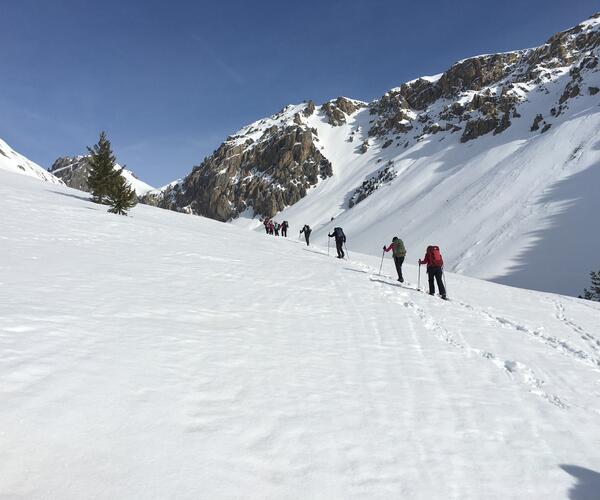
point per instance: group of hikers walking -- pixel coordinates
(273, 227)
(432, 259)
(338, 234)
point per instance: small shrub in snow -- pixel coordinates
(594, 291)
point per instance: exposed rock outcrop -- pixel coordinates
(265, 174)
(73, 171)
(338, 109)
(375, 181)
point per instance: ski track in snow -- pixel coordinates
(516, 370)
(589, 338)
(561, 345)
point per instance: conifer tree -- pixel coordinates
(594, 292)
(121, 197)
(103, 174)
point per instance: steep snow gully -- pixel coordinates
(166, 356)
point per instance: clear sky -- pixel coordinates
(169, 80)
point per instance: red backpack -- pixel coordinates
(435, 257)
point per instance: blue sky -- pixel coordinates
(170, 80)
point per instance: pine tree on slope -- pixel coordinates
(121, 196)
(594, 292)
(103, 174)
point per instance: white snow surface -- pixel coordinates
(12, 161)
(166, 356)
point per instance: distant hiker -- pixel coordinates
(276, 228)
(340, 239)
(435, 263)
(266, 224)
(306, 230)
(399, 252)
(271, 227)
(284, 228)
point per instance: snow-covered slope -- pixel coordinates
(139, 186)
(12, 161)
(74, 171)
(164, 356)
(497, 161)
(513, 208)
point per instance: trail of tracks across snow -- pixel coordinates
(167, 356)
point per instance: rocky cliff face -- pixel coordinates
(480, 95)
(264, 167)
(273, 163)
(73, 171)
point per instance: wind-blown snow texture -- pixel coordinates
(167, 356)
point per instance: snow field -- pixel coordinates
(168, 356)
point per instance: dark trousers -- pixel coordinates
(339, 246)
(307, 238)
(436, 272)
(284, 232)
(399, 261)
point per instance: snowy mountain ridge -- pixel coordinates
(12, 161)
(493, 160)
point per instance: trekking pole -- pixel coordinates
(328, 240)
(419, 281)
(346, 248)
(382, 256)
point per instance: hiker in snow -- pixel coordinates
(433, 260)
(284, 228)
(340, 239)
(306, 230)
(399, 252)
(276, 228)
(266, 224)
(271, 227)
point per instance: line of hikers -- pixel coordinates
(273, 227)
(433, 258)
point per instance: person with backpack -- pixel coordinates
(271, 227)
(306, 230)
(284, 228)
(340, 239)
(276, 227)
(399, 253)
(266, 224)
(435, 263)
